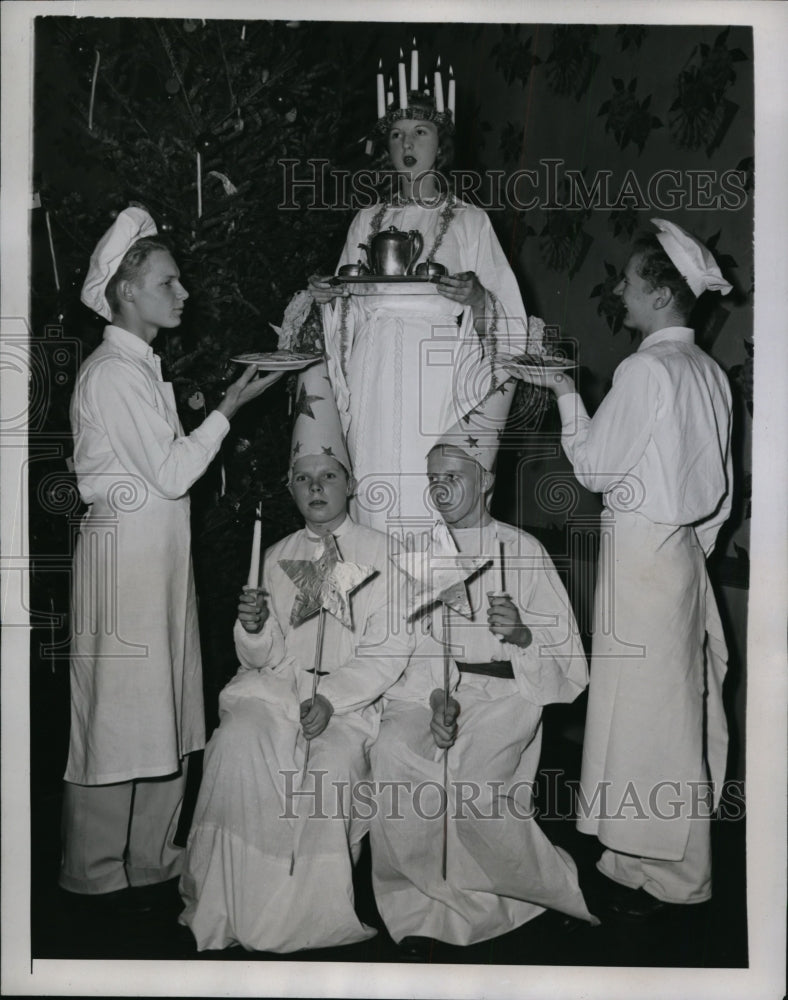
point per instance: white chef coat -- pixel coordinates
(659, 449)
(136, 673)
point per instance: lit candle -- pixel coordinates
(438, 87)
(381, 90)
(254, 564)
(403, 89)
(426, 84)
(390, 94)
(414, 67)
(452, 92)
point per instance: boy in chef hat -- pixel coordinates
(268, 866)
(518, 651)
(658, 448)
(136, 688)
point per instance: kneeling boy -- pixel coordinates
(519, 651)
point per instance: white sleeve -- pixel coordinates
(603, 448)
(145, 444)
(553, 667)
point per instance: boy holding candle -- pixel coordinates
(273, 842)
(519, 651)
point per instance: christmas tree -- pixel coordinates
(191, 119)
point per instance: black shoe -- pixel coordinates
(119, 902)
(561, 923)
(416, 949)
(634, 906)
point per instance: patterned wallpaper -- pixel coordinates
(606, 127)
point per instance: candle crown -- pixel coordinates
(427, 107)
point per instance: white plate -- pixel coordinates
(537, 369)
(541, 365)
(278, 361)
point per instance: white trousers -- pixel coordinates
(121, 834)
(684, 881)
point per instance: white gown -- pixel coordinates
(502, 871)
(406, 367)
(254, 819)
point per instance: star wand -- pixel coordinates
(324, 585)
(438, 575)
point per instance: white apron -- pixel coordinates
(136, 668)
(658, 664)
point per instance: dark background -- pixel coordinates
(627, 100)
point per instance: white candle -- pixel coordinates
(381, 90)
(93, 89)
(390, 94)
(52, 250)
(414, 67)
(426, 84)
(403, 88)
(452, 92)
(438, 87)
(52, 634)
(254, 564)
(199, 185)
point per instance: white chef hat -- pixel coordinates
(691, 259)
(132, 224)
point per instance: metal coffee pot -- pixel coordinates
(393, 252)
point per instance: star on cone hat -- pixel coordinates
(316, 428)
(479, 432)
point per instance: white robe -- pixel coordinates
(501, 872)
(253, 817)
(659, 448)
(406, 367)
(136, 671)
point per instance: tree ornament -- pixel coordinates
(205, 142)
(189, 25)
(196, 400)
(172, 86)
(264, 75)
(80, 46)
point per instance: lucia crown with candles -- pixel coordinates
(434, 109)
